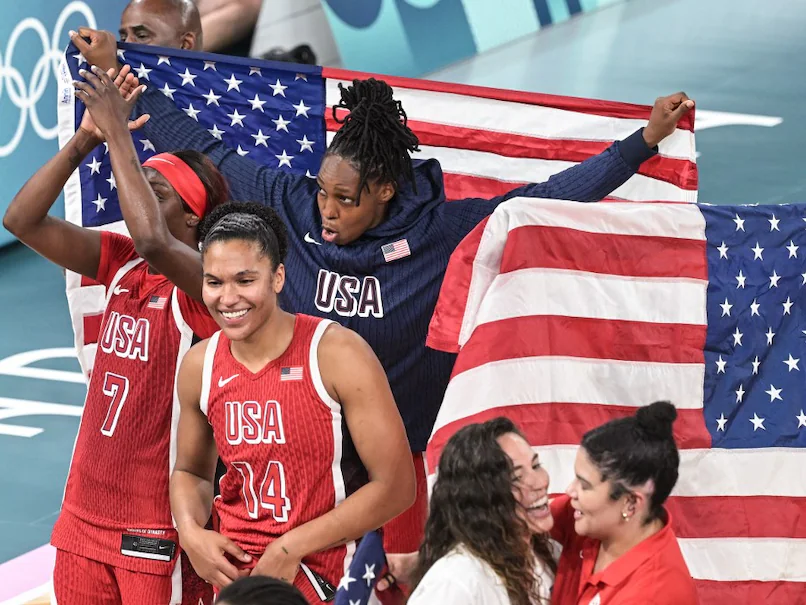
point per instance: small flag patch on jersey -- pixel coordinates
(396, 250)
(294, 373)
(157, 302)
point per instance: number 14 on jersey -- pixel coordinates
(271, 493)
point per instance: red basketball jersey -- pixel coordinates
(116, 508)
(287, 452)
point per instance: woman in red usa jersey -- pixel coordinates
(115, 538)
(300, 411)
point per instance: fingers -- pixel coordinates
(123, 74)
(131, 99)
(221, 580)
(103, 76)
(83, 90)
(87, 32)
(78, 39)
(139, 122)
(229, 546)
(386, 581)
(682, 109)
(90, 77)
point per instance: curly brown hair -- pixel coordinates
(473, 505)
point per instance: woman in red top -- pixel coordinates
(618, 544)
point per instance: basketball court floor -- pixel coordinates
(742, 60)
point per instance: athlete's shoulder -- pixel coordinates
(339, 343)
(194, 358)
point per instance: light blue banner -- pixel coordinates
(413, 37)
(33, 36)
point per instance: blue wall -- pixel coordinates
(33, 34)
(413, 37)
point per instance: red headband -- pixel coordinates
(182, 178)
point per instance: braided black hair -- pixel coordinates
(374, 136)
(260, 590)
(247, 221)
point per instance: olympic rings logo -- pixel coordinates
(13, 83)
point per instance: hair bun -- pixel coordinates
(656, 419)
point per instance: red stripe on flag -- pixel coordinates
(92, 328)
(446, 322)
(681, 173)
(738, 516)
(536, 246)
(769, 593)
(540, 335)
(603, 108)
(566, 423)
(461, 186)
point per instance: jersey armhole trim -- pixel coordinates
(207, 372)
(119, 275)
(313, 364)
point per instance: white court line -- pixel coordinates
(16, 408)
(17, 365)
(30, 595)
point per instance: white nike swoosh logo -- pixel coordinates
(222, 382)
(118, 291)
(310, 240)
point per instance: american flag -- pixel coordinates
(157, 302)
(567, 315)
(369, 561)
(488, 141)
(292, 373)
(396, 250)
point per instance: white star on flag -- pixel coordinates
(168, 91)
(726, 307)
(787, 306)
(302, 109)
(192, 112)
(300, 77)
(770, 335)
(94, 166)
(305, 144)
(257, 103)
(741, 279)
(255, 70)
(260, 138)
(142, 72)
(99, 203)
(793, 249)
(774, 223)
(209, 65)
(801, 419)
(345, 582)
(737, 338)
(277, 89)
(216, 132)
(112, 182)
(758, 423)
(212, 98)
(233, 82)
(754, 306)
(739, 223)
(792, 363)
(148, 145)
(723, 250)
(369, 574)
(756, 364)
(774, 394)
(236, 118)
(188, 78)
(757, 252)
(721, 421)
(281, 123)
(241, 152)
(162, 60)
(720, 365)
(740, 393)
(285, 160)
(774, 279)
(80, 58)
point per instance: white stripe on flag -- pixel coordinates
(571, 380)
(577, 294)
(493, 115)
(742, 559)
(708, 472)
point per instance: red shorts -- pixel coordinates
(81, 581)
(405, 533)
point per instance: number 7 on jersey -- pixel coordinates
(116, 387)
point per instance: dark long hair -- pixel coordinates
(473, 505)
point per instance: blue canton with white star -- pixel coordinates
(273, 112)
(754, 363)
